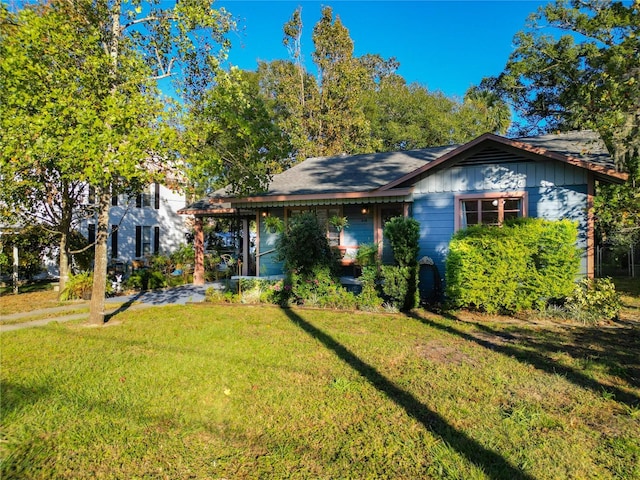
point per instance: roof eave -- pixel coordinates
(468, 149)
(232, 205)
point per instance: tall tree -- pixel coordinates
(586, 77)
(231, 139)
(44, 77)
(342, 125)
(118, 134)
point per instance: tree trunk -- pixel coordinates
(65, 231)
(96, 308)
(63, 263)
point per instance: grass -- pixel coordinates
(262, 392)
(30, 298)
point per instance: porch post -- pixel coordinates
(590, 226)
(245, 246)
(198, 271)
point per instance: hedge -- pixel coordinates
(519, 266)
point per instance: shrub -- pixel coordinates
(78, 286)
(398, 286)
(304, 246)
(519, 266)
(147, 279)
(367, 254)
(403, 234)
(369, 298)
(594, 299)
(401, 283)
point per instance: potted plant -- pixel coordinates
(273, 224)
(339, 222)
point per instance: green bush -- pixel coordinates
(403, 234)
(369, 298)
(398, 286)
(146, 279)
(367, 254)
(78, 286)
(304, 245)
(522, 265)
(401, 282)
(594, 299)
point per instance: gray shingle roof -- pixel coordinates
(369, 172)
(583, 145)
(351, 173)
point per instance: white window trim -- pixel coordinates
(486, 196)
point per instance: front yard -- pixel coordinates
(262, 392)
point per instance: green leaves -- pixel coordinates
(516, 267)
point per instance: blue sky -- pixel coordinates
(444, 45)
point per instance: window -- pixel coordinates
(144, 199)
(489, 209)
(323, 214)
(143, 241)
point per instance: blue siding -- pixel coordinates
(360, 229)
(554, 190)
(266, 248)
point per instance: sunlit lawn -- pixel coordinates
(261, 392)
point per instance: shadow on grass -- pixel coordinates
(16, 397)
(494, 465)
(124, 307)
(532, 352)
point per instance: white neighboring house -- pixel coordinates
(142, 225)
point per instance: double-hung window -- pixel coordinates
(323, 214)
(489, 209)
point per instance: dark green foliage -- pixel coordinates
(304, 245)
(147, 279)
(32, 243)
(403, 233)
(519, 266)
(401, 282)
(399, 286)
(367, 254)
(369, 298)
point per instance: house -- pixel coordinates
(142, 225)
(487, 180)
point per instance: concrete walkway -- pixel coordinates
(168, 296)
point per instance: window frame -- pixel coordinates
(519, 195)
(333, 235)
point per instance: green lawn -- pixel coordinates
(262, 392)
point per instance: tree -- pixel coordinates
(117, 134)
(43, 101)
(342, 125)
(231, 138)
(589, 77)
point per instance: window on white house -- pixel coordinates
(143, 240)
(146, 240)
(144, 199)
(493, 210)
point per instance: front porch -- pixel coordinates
(349, 226)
